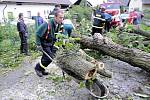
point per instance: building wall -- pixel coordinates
(26, 9)
(146, 6)
(135, 4)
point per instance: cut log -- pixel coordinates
(141, 32)
(75, 66)
(138, 31)
(134, 57)
(101, 70)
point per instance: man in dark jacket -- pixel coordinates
(23, 33)
(51, 14)
(99, 21)
(45, 39)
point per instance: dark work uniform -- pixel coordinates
(99, 22)
(108, 19)
(23, 33)
(45, 37)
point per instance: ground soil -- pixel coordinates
(23, 83)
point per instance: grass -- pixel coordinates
(10, 56)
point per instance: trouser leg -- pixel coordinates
(69, 32)
(45, 61)
(24, 45)
(108, 26)
(21, 42)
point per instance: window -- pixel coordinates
(10, 16)
(44, 12)
(47, 11)
(29, 14)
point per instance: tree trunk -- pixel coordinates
(137, 31)
(141, 32)
(134, 57)
(74, 65)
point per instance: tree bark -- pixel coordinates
(134, 57)
(138, 31)
(74, 65)
(141, 32)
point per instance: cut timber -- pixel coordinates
(141, 32)
(138, 31)
(134, 57)
(75, 66)
(101, 70)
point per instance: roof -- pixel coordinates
(66, 2)
(122, 2)
(145, 1)
(95, 2)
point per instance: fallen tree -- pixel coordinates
(79, 65)
(141, 32)
(137, 31)
(134, 57)
(74, 65)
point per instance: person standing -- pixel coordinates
(23, 33)
(45, 39)
(99, 21)
(38, 20)
(51, 14)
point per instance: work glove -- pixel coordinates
(39, 48)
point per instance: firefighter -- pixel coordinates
(23, 33)
(51, 14)
(45, 39)
(99, 21)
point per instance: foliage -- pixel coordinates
(147, 13)
(82, 84)
(80, 12)
(129, 28)
(65, 42)
(95, 54)
(31, 37)
(112, 35)
(10, 43)
(10, 16)
(8, 31)
(128, 39)
(84, 27)
(145, 28)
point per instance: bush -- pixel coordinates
(10, 44)
(8, 31)
(82, 12)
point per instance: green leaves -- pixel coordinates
(10, 43)
(81, 12)
(82, 84)
(128, 39)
